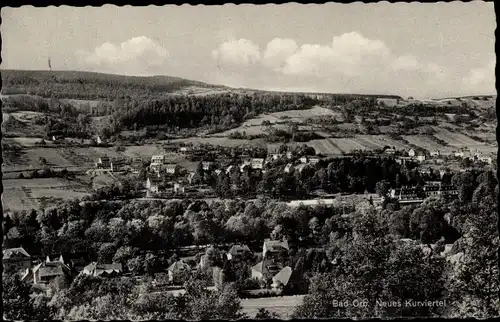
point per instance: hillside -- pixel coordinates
(90, 85)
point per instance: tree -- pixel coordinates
(16, 298)
(264, 314)
(382, 188)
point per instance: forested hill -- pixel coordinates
(89, 85)
(99, 86)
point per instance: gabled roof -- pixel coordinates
(178, 266)
(48, 271)
(236, 249)
(284, 275)
(273, 244)
(15, 252)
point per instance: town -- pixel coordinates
(243, 162)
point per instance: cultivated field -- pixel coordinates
(459, 140)
(25, 194)
(282, 305)
(359, 142)
(300, 115)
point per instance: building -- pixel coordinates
(435, 153)
(432, 190)
(276, 156)
(158, 159)
(179, 188)
(237, 251)
(313, 160)
(153, 184)
(390, 151)
(171, 168)
(49, 270)
(104, 270)
(257, 163)
(264, 270)
(244, 165)
(273, 247)
(486, 159)
(403, 160)
(288, 167)
(16, 259)
(449, 192)
(177, 270)
(229, 168)
(207, 165)
(421, 157)
(300, 167)
(98, 140)
(405, 193)
(304, 159)
(280, 280)
(103, 163)
(289, 155)
(411, 153)
(218, 171)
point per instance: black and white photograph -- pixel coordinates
(276, 161)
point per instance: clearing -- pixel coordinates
(282, 305)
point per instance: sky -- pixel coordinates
(431, 50)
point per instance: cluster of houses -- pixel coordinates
(269, 270)
(44, 272)
(436, 155)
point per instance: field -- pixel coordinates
(25, 194)
(300, 115)
(425, 142)
(222, 141)
(359, 142)
(459, 140)
(282, 305)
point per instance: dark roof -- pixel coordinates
(177, 266)
(236, 249)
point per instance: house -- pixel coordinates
(190, 177)
(206, 165)
(237, 251)
(421, 157)
(229, 168)
(244, 165)
(98, 140)
(264, 270)
(273, 247)
(313, 160)
(158, 160)
(172, 168)
(276, 156)
(485, 159)
(435, 153)
(289, 155)
(16, 259)
(403, 160)
(183, 149)
(300, 167)
(288, 167)
(304, 159)
(411, 153)
(49, 270)
(176, 270)
(153, 184)
(257, 163)
(103, 163)
(218, 171)
(390, 151)
(104, 270)
(463, 153)
(281, 279)
(179, 188)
